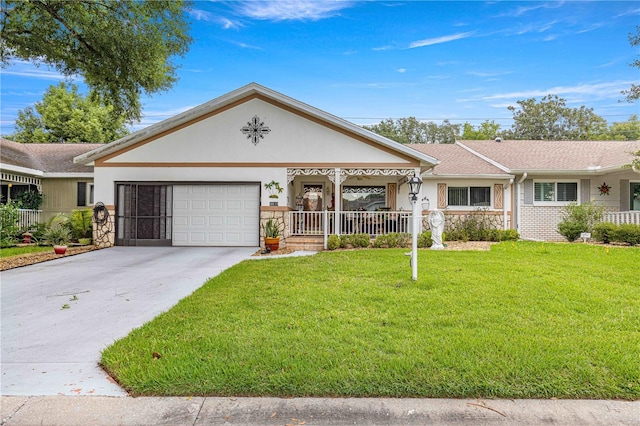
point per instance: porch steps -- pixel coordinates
(308, 243)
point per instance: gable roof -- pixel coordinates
(567, 157)
(44, 159)
(251, 91)
(455, 161)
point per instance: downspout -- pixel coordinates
(504, 203)
(522, 179)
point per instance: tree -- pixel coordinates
(551, 119)
(66, 116)
(624, 131)
(633, 94)
(412, 130)
(485, 131)
(121, 47)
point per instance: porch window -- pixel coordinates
(469, 196)
(635, 196)
(369, 198)
(555, 191)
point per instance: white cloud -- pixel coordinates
(28, 70)
(487, 74)
(291, 10)
(438, 40)
(598, 90)
(203, 15)
(401, 70)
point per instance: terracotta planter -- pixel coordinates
(60, 249)
(272, 243)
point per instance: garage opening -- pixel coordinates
(143, 215)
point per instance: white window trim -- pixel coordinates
(555, 202)
(469, 207)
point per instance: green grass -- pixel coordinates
(525, 320)
(14, 251)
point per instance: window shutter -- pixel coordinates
(392, 196)
(442, 195)
(585, 191)
(82, 194)
(625, 198)
(528, 191)
(497, 196)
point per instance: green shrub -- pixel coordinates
(571, 230)
(80, 223)
(508, 235)
(9, 229)
(578, 218)
(604, 231)
(361, 240)
(392, 240)
(424, 239)
(355, 241)
(627, 233)
(333, 242)
(31, 200)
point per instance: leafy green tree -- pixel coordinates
(633, 94)
(551, 119)
(66, 116)
(121, 47)
(412, 130)
(485, 131)
(624, 131)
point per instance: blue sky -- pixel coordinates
(366, 61)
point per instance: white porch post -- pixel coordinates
(338, 201)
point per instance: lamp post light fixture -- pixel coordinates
(414, 189)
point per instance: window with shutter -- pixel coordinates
(82, 194)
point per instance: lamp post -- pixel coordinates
(414, 189)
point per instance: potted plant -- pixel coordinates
(274, 189)
(58, 236)
(271, 235)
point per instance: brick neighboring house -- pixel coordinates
(530, 182)
(49, 169)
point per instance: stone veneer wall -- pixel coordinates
(279, 214)
(105, 235)
(492, 220)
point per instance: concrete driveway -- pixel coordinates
(58, 316)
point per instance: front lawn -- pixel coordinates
(15, 251)
(524, 320)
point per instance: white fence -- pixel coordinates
(327, 222)
(27, 217)
(622, 217)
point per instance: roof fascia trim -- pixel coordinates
(19, 169)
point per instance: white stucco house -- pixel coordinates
(198, 179)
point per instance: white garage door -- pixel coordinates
(216, 215)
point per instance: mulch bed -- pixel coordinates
(32, 258)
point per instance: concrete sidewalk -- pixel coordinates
(98, 411)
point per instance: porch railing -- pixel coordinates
(372, 223)
(622, 217)
(27, 217)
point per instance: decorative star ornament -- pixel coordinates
(255, 130)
